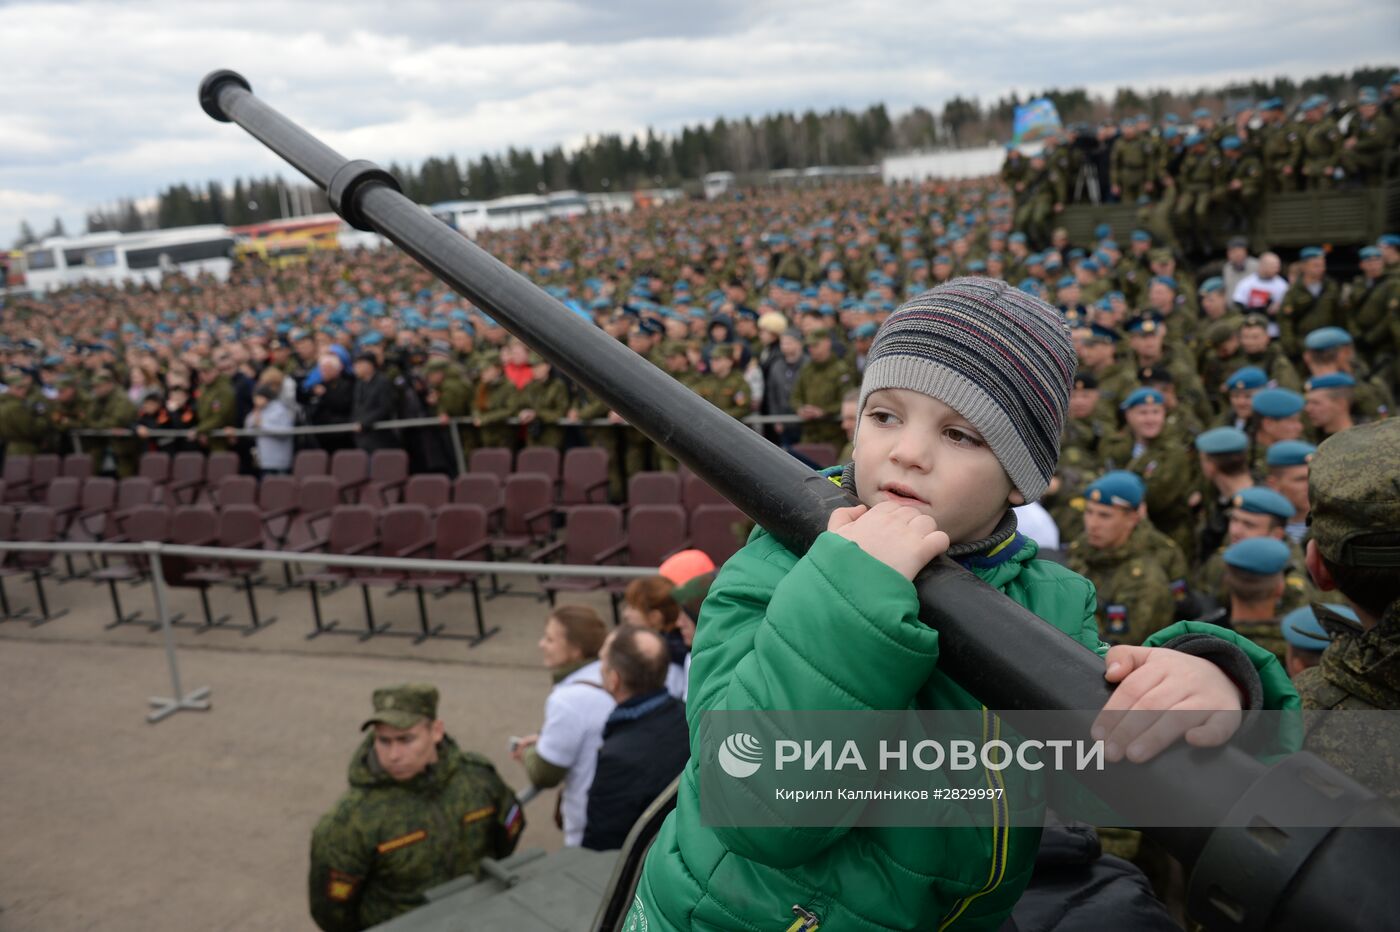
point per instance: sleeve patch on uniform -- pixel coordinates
(513, 820)
(1117, 618)
(476, 815)
(340, 887)
(403, 841)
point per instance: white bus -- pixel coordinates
(717, 184)
(59, 261)
(149, 257)
(515, 212)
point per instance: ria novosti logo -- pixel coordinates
(740, 755)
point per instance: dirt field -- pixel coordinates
(203, 821)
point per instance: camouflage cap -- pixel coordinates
(403, 706)
(1355, 495)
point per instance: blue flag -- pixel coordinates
(1034, 121)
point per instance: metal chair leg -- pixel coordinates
(320, 628)
(258, 624)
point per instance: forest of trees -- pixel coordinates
(611, 162)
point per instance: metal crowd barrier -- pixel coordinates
(198, 700)
(755, 421)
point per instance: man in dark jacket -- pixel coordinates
(374, 402)
(331, 400)
(645, 741)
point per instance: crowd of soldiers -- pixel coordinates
(1183, 486)
(1210, 391)
(1189, 178)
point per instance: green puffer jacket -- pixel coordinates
(838, 630)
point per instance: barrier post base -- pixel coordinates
(197, 701)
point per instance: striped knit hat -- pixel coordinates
(999, 357)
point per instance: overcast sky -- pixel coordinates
(98, 99)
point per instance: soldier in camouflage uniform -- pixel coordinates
(1145, 448)
(1371, 302)
(68, 412)
(1281, 147)
(1354, 550)
(1244, 187)
(112, 410)
(497, 401)
(25, 417)
(1259, 512)
(1085, 427)
(1130, 165)
(1134, 597)
(820, 386)
(1254, 581)
(1199, 184)
(449, 395)
(216, 406)
(1322, 145)
(724, 387)
(1262, 352)
(1312, 302)
(1370, 141)
(545, 402)
(420, 811)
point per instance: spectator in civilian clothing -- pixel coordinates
(565, 751)
(1239, 264)
(331, 400)
(778, 380)
(373, 402)
(648, 602)
(645, 742)
(1262, 291)
(271, 413)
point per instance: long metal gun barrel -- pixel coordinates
(998, 651)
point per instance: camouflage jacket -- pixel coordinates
(1134, 595)
(1358, 672)
(385, 843)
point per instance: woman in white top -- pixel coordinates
(566, 748)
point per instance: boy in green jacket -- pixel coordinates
(964, 395)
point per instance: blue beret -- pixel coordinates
(1310, 252)
(1290, 453)
(1108, 245)
(1277, 402)
(1331, 380)
(1273, 103)
(1052, 262)
(940, 260)
(1103, 231)
(1393, 79)
(1303, 631)
(1171, 118)
(1389, 239)
(1230, 143)
(373, 338)
(1119, 487)
(1325, 338)
(1195, 139)
(1148, 323)
(1091, 265)
(1262, 555)
(1142, 236)
(1200, 113)
(1170, 132)
(1164, 280)
(977, 265)
(1021, 238)
(1369, 252)
(1245, 378)
(808, 292)
(1030, 286)
(1214, 283)
(1141, 397)
(1035, 258)
(865, 331)
(1222, 440)
(1368, 95)
(1066, 282)
(1263, 501)
(1075, 253)
(1315, 101)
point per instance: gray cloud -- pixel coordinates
(97, 100)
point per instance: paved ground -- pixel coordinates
(203, 821)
